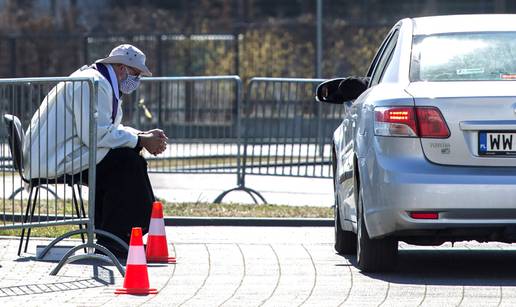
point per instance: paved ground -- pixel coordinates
(251, 266)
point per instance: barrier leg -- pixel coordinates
(249, 191)
(108, 257)
(67, 258)
(11, 197)
(18, 190)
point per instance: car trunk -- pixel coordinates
(481, 117)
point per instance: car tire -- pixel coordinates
(374, 255)
(345, 241)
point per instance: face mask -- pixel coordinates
(129, 84)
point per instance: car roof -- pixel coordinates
(464, 23)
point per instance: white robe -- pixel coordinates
(57, 140)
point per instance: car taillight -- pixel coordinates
(395, 121)
(425, 122)
(431, 123)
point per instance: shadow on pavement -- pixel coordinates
(26, 259)
(32, 289)
(451, 267)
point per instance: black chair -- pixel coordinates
(16, 135)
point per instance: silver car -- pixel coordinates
(426, 152)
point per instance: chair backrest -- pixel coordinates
(16, 136)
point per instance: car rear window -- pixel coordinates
(464, 56)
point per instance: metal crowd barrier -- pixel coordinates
(278, 129)
(36, 204)
(201, 117)
(285, 132)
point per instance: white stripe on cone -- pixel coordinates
(157, 227)
(136, 255)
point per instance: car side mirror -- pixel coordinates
(328, 91)
(341, 89)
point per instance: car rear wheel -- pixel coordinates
(374, 255)
(345, 241)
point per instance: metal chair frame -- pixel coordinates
(16, 137)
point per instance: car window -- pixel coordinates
(391, 54)
(384, 59)
(378, 54)
(470, 56)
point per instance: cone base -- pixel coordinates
(161, 260)
(136, 291)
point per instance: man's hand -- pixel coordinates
(154, 141)
(157, 132)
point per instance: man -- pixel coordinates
(57, 143)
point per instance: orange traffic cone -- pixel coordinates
(157, 249)
(136, 279)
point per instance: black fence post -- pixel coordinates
(13, 56)
(85, 50)
(238, 131)
(159, 73)
(236, 51)
(189, 86)
(159, 59)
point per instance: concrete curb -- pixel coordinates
(247, 221)
(219, 221)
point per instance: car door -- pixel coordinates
(352, 121)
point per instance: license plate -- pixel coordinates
(497, 143)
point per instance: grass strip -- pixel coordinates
(178, 209)
(46, 232)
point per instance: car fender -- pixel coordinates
(363, 138)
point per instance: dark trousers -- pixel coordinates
(123, 194)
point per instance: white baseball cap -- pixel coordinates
(128, 55)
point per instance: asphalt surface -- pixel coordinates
(275, 189)
(205, 188)
(270, 266)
